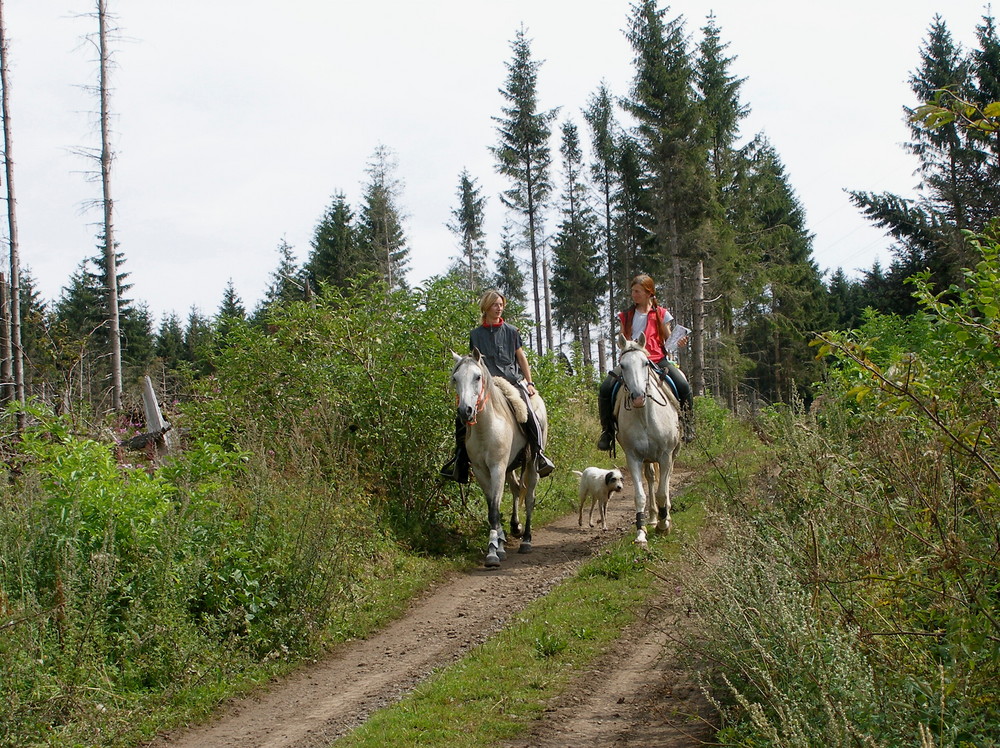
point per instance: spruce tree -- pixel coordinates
(381, 235)
(523, 156)
(509, 278)
(231, 312)
(672, 142)
(335, 257)
(786, 297)
(287, 283)
(958, 168)
(199, 342)
(600, 117)
(723, 111)
(170, 342)
(468, 220)
(577, 280)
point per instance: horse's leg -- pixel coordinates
(495, 552)
(635, 469)
(649, 478)
(666, 468)
(515, 491)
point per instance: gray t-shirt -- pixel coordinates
(498, 345)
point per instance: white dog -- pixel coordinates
(598, 484)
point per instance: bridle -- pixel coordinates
(481, 398)
(646, 392)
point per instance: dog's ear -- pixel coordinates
(609, 478)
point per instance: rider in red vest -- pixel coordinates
(645, 316)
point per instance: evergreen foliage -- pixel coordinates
(509, 278)
(604, 131)
(523, 156)
(958, 166)
(577, 280)
(336, 255)
(380, 227)
(468, 226)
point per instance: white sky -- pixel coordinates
(237, 120)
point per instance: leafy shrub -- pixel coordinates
(858, 600)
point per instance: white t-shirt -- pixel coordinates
(639, 323)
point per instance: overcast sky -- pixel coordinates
(236, 121)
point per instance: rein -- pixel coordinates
(647, 393)
(481, 400)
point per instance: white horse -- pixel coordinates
(649, 432)
(497, 446)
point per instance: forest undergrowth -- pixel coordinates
(303, 509)
(857, 602)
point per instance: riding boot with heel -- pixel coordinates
(605, 409)
(457, 468)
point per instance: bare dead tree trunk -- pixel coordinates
(548, 305)
(16, 354)
(6, 372)
(109, 232)
(698, 331)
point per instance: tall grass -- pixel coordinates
(857, 599)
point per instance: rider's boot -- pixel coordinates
(543, 465)
(605, 409)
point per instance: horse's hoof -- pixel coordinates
(492, 561)
(502, 554)
(662, 529)
(524, 548)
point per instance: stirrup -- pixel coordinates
(544, 466)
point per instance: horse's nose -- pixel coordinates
(466, 413)
(638, 401)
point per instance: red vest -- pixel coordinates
(654, 342)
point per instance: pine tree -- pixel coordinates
(231, 312)
(336, 257)
(170, 342)
(509, 278)
(958, 167)
(672, 142)
(287, 284)
(467, 224)
(723, 111)
(382, 239)
(600, 117)
(523, 156)
(577, 280)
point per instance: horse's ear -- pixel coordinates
(476, 354)
(622, 340)
(456, 357)
(641, 340)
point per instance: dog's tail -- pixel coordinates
(578, 473)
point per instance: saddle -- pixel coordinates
(513, 396)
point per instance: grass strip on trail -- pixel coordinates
(497, 691)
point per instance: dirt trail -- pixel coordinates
(621, 700)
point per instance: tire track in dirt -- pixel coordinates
(324, 700)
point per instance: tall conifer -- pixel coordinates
(467, 224)
(523, 156)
